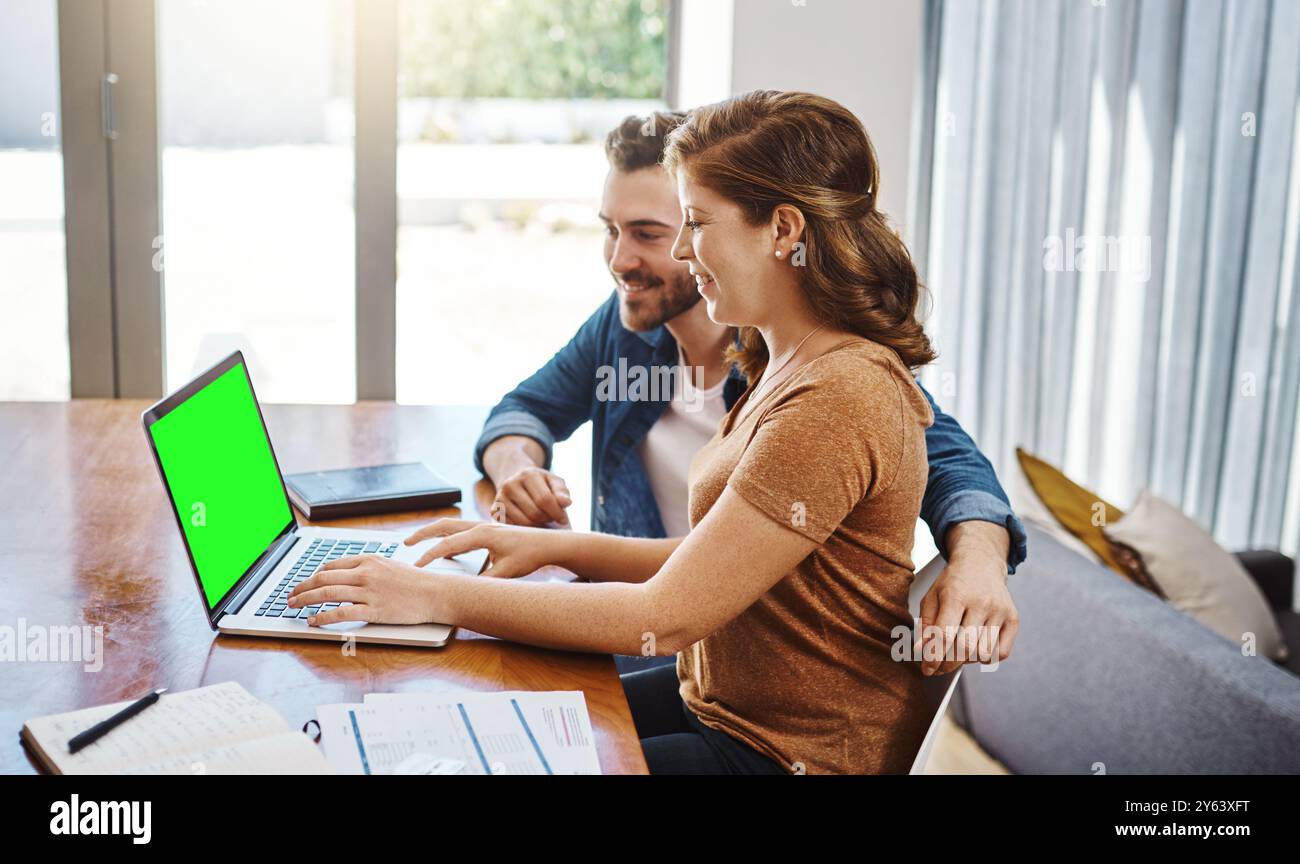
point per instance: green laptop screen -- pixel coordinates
(223, 480)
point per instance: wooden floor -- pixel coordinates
(955, 752)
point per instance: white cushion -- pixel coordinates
(1198, 576)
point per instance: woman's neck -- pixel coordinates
(785, 334)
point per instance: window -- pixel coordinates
(256, 115)
(503, 109)
(33, 282)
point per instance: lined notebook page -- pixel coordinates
(214, 730)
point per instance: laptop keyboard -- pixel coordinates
(320, 551)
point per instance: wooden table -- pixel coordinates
(87, 537)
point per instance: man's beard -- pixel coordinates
(658, 305)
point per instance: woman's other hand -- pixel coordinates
(513, 550)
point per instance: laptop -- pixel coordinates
(245, 547)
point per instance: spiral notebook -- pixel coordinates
(221, 729)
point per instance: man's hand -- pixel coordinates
(969, 603)
(532, 496)
(527, 494)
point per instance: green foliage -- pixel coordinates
(533, 49)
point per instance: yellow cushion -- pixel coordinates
(1084, 514)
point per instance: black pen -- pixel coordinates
(103, 727)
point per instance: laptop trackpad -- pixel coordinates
(342, 626)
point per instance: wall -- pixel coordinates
(862, 53)
(29, 73)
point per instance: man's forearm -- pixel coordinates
(509, 454)
(963, 487)
(976, 539)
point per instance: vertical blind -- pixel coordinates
(1105, 208)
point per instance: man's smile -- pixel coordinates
(637, 287)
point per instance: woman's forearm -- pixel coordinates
(609, 558)
(610, 618)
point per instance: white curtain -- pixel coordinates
(1106, 208)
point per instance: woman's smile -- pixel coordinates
(703, 283)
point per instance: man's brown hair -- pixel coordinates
(638, 142)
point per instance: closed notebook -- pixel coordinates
(220, 729)
(366, 491)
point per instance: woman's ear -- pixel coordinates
(787, 228)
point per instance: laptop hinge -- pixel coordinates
(250, 585)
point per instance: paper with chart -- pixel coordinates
(516, 732)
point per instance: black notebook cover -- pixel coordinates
(366, 491)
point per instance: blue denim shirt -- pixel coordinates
(551, 404)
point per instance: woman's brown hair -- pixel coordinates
(765, 148)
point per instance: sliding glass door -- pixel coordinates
(361, 196)
(502, 113)
(257, 253)
(33, 280)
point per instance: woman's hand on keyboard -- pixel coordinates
(374, 588)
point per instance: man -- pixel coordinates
(644, 436)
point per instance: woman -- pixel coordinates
(781, 602)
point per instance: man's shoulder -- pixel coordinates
(608, 310)
(615, 340)
(605, 321)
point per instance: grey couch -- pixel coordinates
(1107, 677)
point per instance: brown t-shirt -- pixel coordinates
(837, 453)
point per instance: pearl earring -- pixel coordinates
(778, 253)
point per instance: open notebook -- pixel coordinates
(220, 729)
